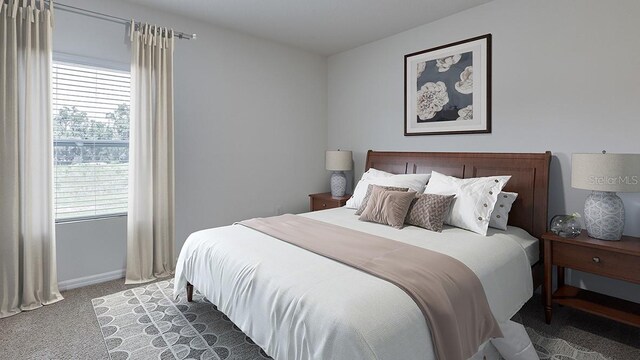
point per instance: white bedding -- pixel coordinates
(298, 305)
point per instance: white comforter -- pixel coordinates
(298, 305)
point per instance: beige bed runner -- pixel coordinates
(447, 292)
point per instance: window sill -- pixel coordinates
(89, 218)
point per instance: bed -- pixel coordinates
(298, 305)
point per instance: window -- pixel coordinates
(90, 140)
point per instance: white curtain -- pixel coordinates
(150, 232)
(27, 247)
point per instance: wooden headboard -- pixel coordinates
(529, 176)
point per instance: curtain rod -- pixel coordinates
(112, 18)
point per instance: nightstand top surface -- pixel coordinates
(627, 245)
(327, 195)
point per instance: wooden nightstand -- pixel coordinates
(324, 201)
(614, 259)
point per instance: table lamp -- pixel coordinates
(338, 161)
(605, 174)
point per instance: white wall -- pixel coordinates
(565, 78)
(250, 122)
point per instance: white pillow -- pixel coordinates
(414, 182)
(475, 199)
(500, 213)
(368, 175)
(375, 173)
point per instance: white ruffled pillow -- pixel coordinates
(413, 182)
(500, 213)
(474, 202)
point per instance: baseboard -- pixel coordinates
(90, 280)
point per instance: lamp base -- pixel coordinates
(338, 184)
(604, 215)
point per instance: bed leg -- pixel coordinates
(189, 292)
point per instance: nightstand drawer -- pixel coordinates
(597, 261)
(323, 201)
(321, 204)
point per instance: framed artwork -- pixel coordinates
(447, 89)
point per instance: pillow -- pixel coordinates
(413, 182)
(375, 173)
(370, 174)
(500, 213)
(388, 207)
(363, 205)
(429, 211)
(474, 201)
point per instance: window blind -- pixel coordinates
(90, 140)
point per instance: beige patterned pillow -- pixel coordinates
(368, 195)
(429, 211)
(388, 207)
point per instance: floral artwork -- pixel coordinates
(445, 86)
(432, 97)
(447, 89)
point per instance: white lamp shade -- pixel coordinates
(606, 172)
(338, 160)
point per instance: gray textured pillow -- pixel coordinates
(429, 211)
(388, 207)
(368, 195)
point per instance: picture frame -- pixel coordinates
(447, 89)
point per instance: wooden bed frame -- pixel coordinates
(529, 178)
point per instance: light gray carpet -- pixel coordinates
(69, 329)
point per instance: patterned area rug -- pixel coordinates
(557, 349)
(145, 323)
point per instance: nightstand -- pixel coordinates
(614, 259)
(324, 201)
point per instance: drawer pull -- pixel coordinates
(596, 259)
(324, 205)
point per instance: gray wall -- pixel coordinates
(565, 78)
(251, 129)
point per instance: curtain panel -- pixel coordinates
(150, 220)
(28, 277)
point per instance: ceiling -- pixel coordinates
(325, 27)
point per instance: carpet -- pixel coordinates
(145, 323)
